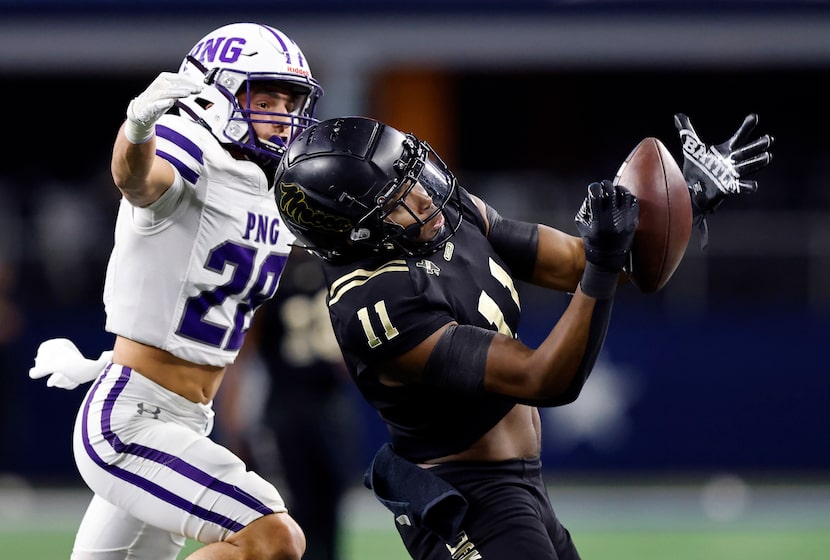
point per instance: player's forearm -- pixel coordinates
(597, 330)
(560, 261)
(136, 172)
(562, 363)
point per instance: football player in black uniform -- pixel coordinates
(423, 302)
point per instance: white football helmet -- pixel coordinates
(228, 59)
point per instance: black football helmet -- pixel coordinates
(341, 178)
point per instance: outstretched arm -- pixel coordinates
(471, 359)
(141, 176)
(716, 172)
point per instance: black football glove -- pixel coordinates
(716, 172)
(606, 221)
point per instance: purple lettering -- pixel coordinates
(249, 226)
(230, 52)
(209, 49)
(262, 227)
(274, 232)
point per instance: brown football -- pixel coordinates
(652, 174)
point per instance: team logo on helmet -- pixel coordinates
(225, 50)
(294, 205)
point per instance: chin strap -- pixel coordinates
(192, 114)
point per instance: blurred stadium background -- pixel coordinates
(703, 433)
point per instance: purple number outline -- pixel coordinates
(195, 326)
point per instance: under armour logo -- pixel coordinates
(142, 408)
(429, 267)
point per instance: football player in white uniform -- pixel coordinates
(198, 247)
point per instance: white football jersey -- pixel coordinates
(186, 274)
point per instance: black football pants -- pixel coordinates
(509, 516)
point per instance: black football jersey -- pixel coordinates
(383, 308)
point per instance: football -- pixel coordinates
(652, 174)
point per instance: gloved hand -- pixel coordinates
(66, 367)
(606, 221)
(147, 108)
(715, 172)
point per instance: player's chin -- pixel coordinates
(429, 233)
(432, 229)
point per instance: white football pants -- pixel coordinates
(157, 477)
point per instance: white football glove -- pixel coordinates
(66, 367)
(147, 108)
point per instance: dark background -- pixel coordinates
(724, 370)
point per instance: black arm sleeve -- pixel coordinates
(515, 242)
(459, 359)
(600, 320)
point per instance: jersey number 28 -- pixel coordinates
(241, 258)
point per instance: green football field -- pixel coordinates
(717, 521)
(622, 545)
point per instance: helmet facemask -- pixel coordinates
(344, 183)
(239, 128)
(236, 60)
(419, 165)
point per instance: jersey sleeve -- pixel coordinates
(178, 141)
(383, 313)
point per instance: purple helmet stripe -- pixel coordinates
(278, 37)
(175, 463)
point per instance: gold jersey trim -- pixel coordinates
(360, 276)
